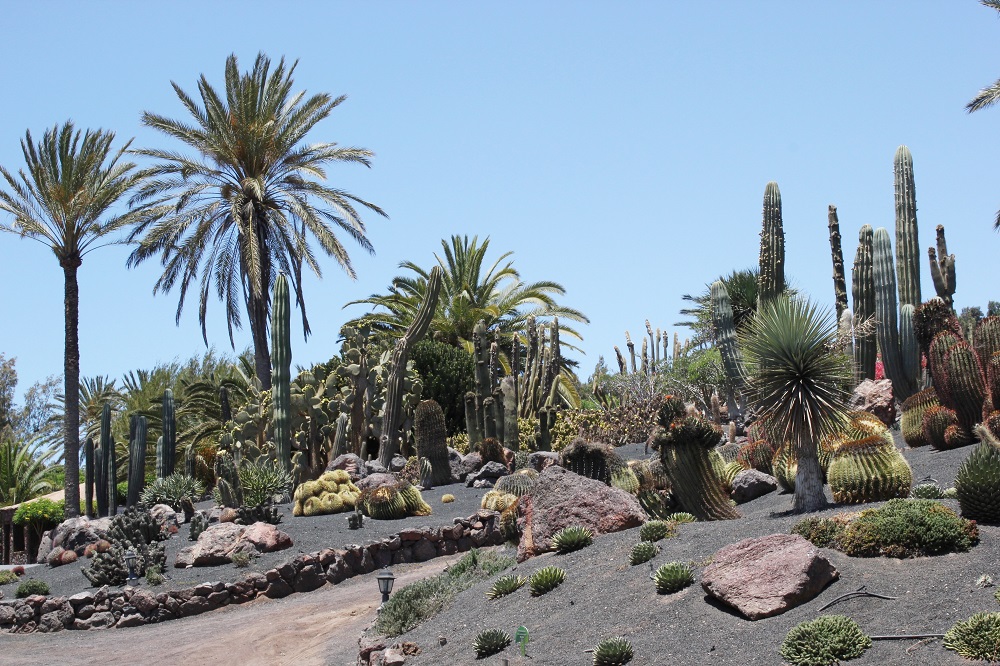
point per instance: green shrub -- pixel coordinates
(490, 641)
(171, 490)
(673, 577)
(572, 538)
(976, 638)
(822, 532)
(39, 515)
(241, 559)
(827, 640)
(447, 373)
(154, 575)
(31, 587)
(425, 598)
(545, 580)
(908, 528)
(7, 577)
(121, 491)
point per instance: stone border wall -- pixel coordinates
(135, 606)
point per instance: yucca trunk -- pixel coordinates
(809, 495)
(71, 387)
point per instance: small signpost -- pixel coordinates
(521, 638)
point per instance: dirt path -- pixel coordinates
(320, 627)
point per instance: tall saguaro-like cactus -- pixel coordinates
(900, 353)
(863, 290)
(837, 254)
(392, 415)
(88, 487)
(772, 246)
(167, 452)
(907, 245)
(942, 269)
(281, 372)
(137, 460)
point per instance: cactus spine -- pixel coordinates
(907, 247)
(837, 253)
(900, 361)
(942, 269)
(165, 453)
(863, 290)
(392, 416)
(137, 461)
(772, 246)
(281, 377)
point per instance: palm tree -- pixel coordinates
(797, 380)
(23, 464)
(987, 96)
(243, 206)
(497, 296)
(70, 185)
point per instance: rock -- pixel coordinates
(218, 542)
(165, 516)
(751, 484)
(539, 460)
(144, 601)
(50, 622)
(875, 396)
(397, 464)
(393, 657)
(491, 471)
(375, 480)
(350, 463)
(266, 538)
(472, 462)
(561, 498)
(768, 575)
(375, 467)
(73, 534)
(483, 483)
(458, 470)
(95, 621)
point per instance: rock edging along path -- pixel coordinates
(132, 607)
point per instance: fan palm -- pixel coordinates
(245, 206)
(470, 292)
(797, 380)
(62, 201)
(23, 464)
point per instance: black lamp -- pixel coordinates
(385, 580)
(130, 563)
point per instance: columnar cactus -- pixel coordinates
(137, 461)
(907, 245)
(431, 438)
(912, 420)
(508, 387)
(772, 245)
(725, 334)
(104, 464)
(88, 488)
(837, 254)
(281, 360)
(942, 269)
(900, 361)
(394, 390)
(863, 290)
(227, 481)
(165, 467)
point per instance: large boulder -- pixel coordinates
(875, 397)
(488, 473)
(218, 542)
(351, 463)
(561, 498)
(461, 466)
(73, 534)
(767, 575)
(751, 484)
(375, 480)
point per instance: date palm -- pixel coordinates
(23, 464)
(244, 205)
(63, 201)
(987, 96)
(796, 380)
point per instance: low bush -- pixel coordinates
(908, 528)
(31, 587)
(422, 600)
(827, 640)
(822, 532)
(39, 515)
(7, 577)
(976, 638)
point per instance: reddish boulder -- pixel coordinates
(266, 538)
(561, 498)
(767, 575)
(218, 542)
(875, 397)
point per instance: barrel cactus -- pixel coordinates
(332, 492)
(496, 500)
(756, 455)
(869, 470)
(383, 503)
(912, 420)
(654, 530)
(784, 467)
(431, 435)
(519, 483)
(977, 482)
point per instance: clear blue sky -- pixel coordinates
(621, 148)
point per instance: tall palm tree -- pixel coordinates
(498, 296)
(243, 206)
(987, 96)
(62, 201)
(797, 380)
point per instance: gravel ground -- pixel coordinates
(308, 535)
(603, 596)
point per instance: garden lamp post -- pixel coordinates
(130, 563)
(385, 580)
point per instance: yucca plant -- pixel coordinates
(654, 530)
(673, 577)
(642, 552)
(505, 585)
(827, 640)
(796, 380)
(490, 641)
(545, 580)
(171, 490)
(572, 538)
(613, 652)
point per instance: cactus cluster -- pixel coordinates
(135, 530)
(497, 500)
(393, 501)
(332, 492)
(199, 523)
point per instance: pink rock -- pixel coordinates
(561, 498)
(767, 575)
(266, 538)
(875, 397)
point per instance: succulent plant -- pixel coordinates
(572, 538)
(673, 577)
(505, 585)
(681, 517)
(489, 642)
(756, 455)
(263, 481)
(492, 450)
(827, 640)
(172, 490)
(248, 515)
(519, 483)
(545, 580)
(494, 500)
(642, 552)
(382, 503)
(414, 502)
(912, 419)
(869, 470)
(976, 638)
(447, 498)
(927, 490)
(784, 467)
(977, 482)
(508, 523)
(949, 493)
(863, 291)
(199, 523)
(430, 434)
(654, 530)
(624, 478)
(613, 652)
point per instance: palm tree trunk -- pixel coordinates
(809, 495)
(258, 310)
(71, 388)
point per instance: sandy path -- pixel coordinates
(320, 627)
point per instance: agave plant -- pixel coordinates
(829, 639)
(654, 530)
(489, 642)
(505, 585)
(673, 577)
(642, 552)
(572, 538)
(264, 481)
(681, 517)
(613, 652)
(171, 490)
(545, 580)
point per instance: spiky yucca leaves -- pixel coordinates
(654, 530)
(613, 652)
(869, 470)
(572, 538)
(519, 483)
(976, 638)
(784, 467)
(383, 503)
(489, 642)
(171, 490)
(505, 585)
(642, 552)
(545, 580)
(685, 444)
(796, 381)
(681, 517)
(912, 420)
(414, 502)
(927, 490)
(757, 455)
(673, 577)
(977, 482)
(825, 641)
(496, 500)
